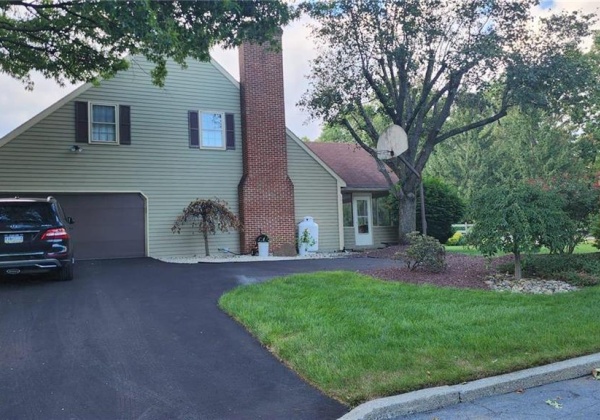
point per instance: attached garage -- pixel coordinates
(107, 225)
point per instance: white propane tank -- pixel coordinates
(313, 229)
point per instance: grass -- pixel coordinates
(357, 338)
(583, 248)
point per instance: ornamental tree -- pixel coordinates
(207, 216)
(81, 40)
(415, 61)
(517, 219)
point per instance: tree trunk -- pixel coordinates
(407, 209)
(518, 266)
(206, 251)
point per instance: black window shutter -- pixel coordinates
(193, 129)
(230, 131)
(81, 122)
(124, 124)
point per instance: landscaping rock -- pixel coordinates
(507, 283)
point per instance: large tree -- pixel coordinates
(81, 40)
(413, 60)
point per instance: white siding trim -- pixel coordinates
(46, 112)
(340, 204)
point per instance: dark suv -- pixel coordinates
(34, 237)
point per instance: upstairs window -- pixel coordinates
(212, 128)
(104, 123)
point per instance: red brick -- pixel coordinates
(266, 191)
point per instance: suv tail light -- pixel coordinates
(57, 233)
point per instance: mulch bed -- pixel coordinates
(464, 271)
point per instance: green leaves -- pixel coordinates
(81, 40)
(517, 219)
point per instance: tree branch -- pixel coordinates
(380, 165)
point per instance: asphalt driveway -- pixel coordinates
(144, 339)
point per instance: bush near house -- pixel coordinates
(443, 207)
(423, 252)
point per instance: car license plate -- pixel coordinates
(13, 239)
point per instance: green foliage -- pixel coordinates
(517, 219)
(400, 58)
(576, 269)
(306, 238)
(457, 239)
(580, 200)
(82, 40)
(443, 207)
(423, 252)
(207, 216)
(595, 230)
(525, 146)
(337, 133)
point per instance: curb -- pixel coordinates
(443, 396)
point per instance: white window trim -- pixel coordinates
(223, 128)
(91, 123)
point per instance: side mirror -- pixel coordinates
(70, 220)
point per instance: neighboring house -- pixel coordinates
(125, 157)
(367, 220)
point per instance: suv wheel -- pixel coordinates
(65, 273)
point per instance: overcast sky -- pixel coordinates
(18, 105)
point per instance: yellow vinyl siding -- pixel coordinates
(315, 194)
(158, 163)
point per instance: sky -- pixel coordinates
(18, 105)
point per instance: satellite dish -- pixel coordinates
(392, 142)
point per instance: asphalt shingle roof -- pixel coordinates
(352, 163)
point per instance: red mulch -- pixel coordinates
(464, 271)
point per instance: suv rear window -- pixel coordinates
(26, 213)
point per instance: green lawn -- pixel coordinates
(584, 248)
(358, 338)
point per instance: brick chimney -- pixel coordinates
(266, 191)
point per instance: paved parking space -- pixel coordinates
(139, 338)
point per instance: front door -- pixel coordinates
(363, 226)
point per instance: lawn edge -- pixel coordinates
(439, 397)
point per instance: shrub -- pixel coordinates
(456, 240)
(443, 206)
(576, 269)
(425, 252)
(207, 216)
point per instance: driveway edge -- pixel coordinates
(439, 397)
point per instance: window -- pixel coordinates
(212, 129)
(348, 219)
(382, 212)
(103, 123)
